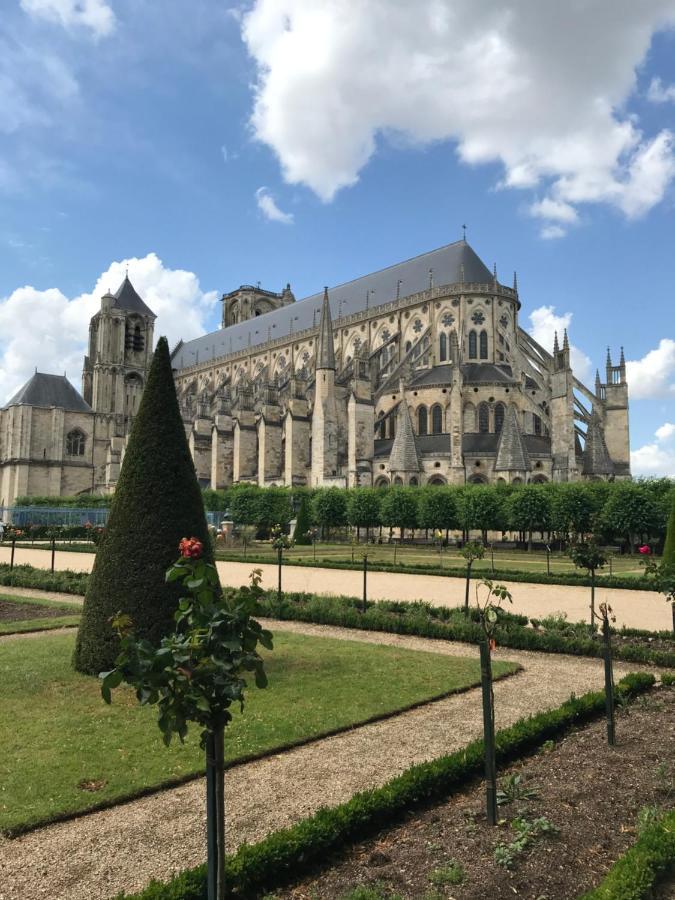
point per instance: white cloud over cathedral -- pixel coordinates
(94, 15)
(528, 85)
(48, 330)
(657, 457)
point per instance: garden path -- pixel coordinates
(635, 609)
(95, 856)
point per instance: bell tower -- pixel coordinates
(119, 354)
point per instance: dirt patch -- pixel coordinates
(19, 612)
(586, 797)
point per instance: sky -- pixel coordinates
(205, 145)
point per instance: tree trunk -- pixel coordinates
(215, 814)
(609, 682)
(593, 601)
(488, 733)
(529, 542)
(468, 582)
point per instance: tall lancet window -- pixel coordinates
(473, 345)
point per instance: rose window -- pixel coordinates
(385, 335)
(448, 319)
(417, 327)
(478, 318)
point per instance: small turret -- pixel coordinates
(325, 354)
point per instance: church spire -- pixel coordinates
(515, 282)
(556, 345)
(403, 456)
(512, 455)
(566, 343)
(325, 353)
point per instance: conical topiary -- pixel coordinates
(669, 546)
(157, 502)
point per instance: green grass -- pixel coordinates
(71, 615)
(56, 733)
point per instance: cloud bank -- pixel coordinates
(47, 329)
(536, 87)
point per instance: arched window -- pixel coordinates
(392, 427)
(536, 422)
(422, 420)
(408, 346)
(483, 418)
(473, 345)
(381, 426)
(483, 345)
(499, 417)
(436, 419)
(443, 347)
(413, 482)
(75, 441)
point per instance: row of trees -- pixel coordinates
(616, 512)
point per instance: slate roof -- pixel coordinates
(512, 455)
(450, 265)
(486, 444)
(325, 358)
(435, 375)
(127, 298)
(49, 390)
(481, 373)
(404, 456)
(433, 443)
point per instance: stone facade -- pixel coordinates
(416, 374)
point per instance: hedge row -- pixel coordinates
(650, 859)
(443, 623)
(65, 581)
(285, 854)
(637, 583)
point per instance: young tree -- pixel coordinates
(471, 551)
(244, 504)
(195, 675)
(273, 508)
(329, 509)
(156, 503)
(664, 573)
(631, 511)
(399, 508)
(574, 507)
(479, 509)
(587, 555)
(488, 610)
(363, 509)
(529, 509)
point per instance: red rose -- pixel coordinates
(645, 550)
(191, 548)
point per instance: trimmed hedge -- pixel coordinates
(443, 623)
(638, 583)
(285, 854)
(64, 581)
(650, 859)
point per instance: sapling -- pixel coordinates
(280, 542)
(606, 616)
(663, 574)
(196, 674)
(488, 611)
(471, 551)
(587, 555)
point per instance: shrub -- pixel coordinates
(157, 502)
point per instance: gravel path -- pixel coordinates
(95, 856)
(636, 609)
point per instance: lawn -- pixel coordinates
(19, 614)
(62, 750)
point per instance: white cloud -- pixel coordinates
(544, 323)
(654, 374)
(657, 458)
(48, 329)
(96, 15)
(659, 92)
(268, 207)
(551, 232)
(526, 84)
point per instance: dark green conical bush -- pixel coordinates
(669, 546)
(157, 502)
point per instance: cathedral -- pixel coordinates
(416, 374)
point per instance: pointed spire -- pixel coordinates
(556, 346)
(325, 353)
(609, 358)
(515, 281)
(566, 343)
(598, 383)
(512, 455)
(597, 460)
(403, 456)
(494, 273)
(622, 359)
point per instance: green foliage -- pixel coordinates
(529, 509)
(244, 504)
(471, 551)
(438, 508)
(196, 673)
(650, 859)
(631, 511)
(514, 789)
(574, 508)
(587, 555)
(479, 507)
(668, 679)
(399, 507)
(668, 558)
(451, 873)
(157, 502)
(79, 501)
(329, 508)
(363, 507)
(214, 501)
(273, 507)
(527, 832)
(285, 854)
(303, 523)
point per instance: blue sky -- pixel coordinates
(312, 141)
